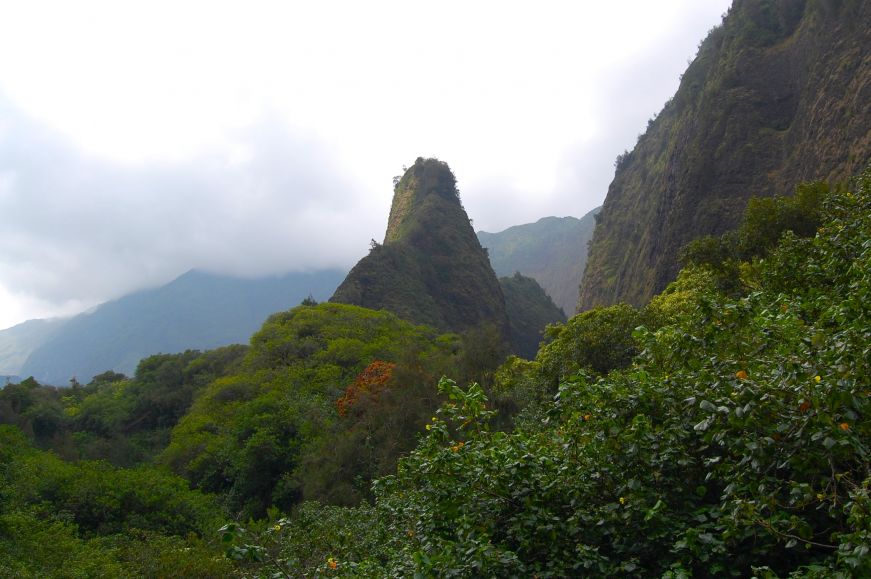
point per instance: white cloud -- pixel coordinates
(138, 140)
(79, 228)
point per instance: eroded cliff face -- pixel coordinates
(780, 93)
(431, 268)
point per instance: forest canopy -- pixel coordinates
(721, 430)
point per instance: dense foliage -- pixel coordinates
(126, 421)
(718, 431)
(765, 221)
(254, 435)
(735, 444)
(89, 519)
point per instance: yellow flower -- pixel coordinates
(429, 426)
(741, 374)
(276, 528)
(331, 563)
(820, 496)
(622, 500)
(817, 379)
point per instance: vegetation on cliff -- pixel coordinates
(530, 311)
(721, 430)
(778, 94)
(431, 268)
(734, 443)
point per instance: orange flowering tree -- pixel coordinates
(370, 382)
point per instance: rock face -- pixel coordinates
(780, 93)
(431, 268)
(553, 251)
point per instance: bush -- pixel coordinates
(735, 444)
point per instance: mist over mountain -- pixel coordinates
(197, 310)
(17, 343)
(718, 427)
(553, 251)
(780, 93)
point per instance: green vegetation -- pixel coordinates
(765, 221)
(733, 444)
(271, 434)
(721, 430)
(89, 519)
(125, 421)
(553, 251)
(768, 102)
(431, 268)
(529, 311)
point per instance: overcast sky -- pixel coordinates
(142, 139)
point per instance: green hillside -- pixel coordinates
(721, 430)
(431, 268)
(197, 310)
(553, 251)
(708, 434)
(707, 414)
(530, 310)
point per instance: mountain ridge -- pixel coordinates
(548, 251)
(197, 310)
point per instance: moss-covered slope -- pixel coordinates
(778, 94)
(431, 268)
(530, 310)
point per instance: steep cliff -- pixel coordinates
(431, 268)
(780, 93)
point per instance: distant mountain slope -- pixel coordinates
(530, 310)
(17, 342)
(777, 95)
(431, 268)
(553, 251)
(196, 311)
